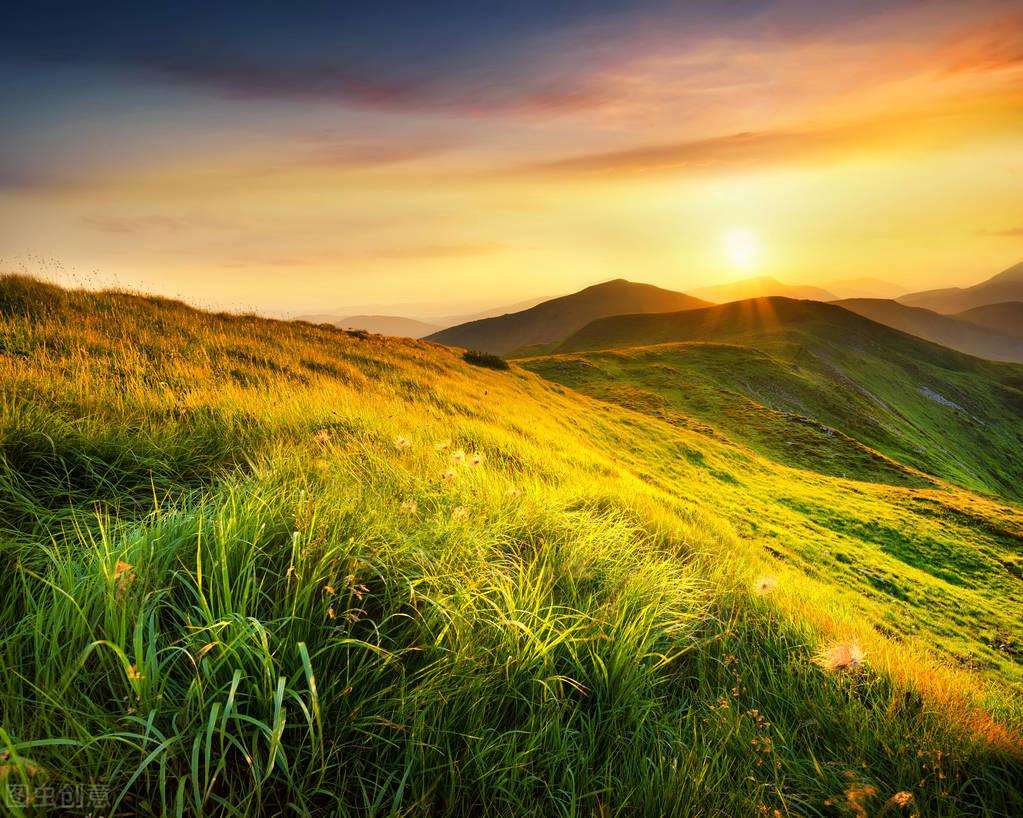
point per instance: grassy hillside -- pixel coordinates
(803, 362)
(950, 331)
(268, 567)
(552, 321)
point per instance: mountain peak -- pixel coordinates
(552, 321)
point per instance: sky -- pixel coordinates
(427, 158)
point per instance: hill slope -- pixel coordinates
(554, 320)
(760, 287)
(1006, 318)
(257, 567)
(381, 324)
(950, 331)
(926, 406)
(1006, 286)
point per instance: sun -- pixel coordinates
(741, 247)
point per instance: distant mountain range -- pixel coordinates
(1005, 287)
(865, 287)
(985, 320)
(381, 324)
(454, 320)
(955, 332)
(552, 321)
(760, 287)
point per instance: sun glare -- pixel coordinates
(741, 247)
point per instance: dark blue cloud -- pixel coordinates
(486, 54)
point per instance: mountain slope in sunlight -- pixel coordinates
(552, 321)
(258, 567)
(928, 407)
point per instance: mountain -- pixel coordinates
(259, 567)
(1006, 318)
(493, 312)
(950, 331)
(760, 287)
(1006, 286)
(865, 287)
(380, 324)
(930, 408)
(552, 321)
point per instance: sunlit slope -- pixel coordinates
(797, 378)
(257, 567)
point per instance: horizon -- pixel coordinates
(440, 313)
(457, 162)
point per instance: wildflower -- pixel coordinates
(329, 589)
(330, 612)
(402, 443)
(765, 585)
(322, 436)
(901, 799)
(444, 444)
(514, 492)
(124, 576)
(447, 475)
(133, 674)
(409, 507)
(475, 459)
(841, 656)
(460, 514)
(458, 456)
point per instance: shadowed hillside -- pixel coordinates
(1006, 286)
(262, 567)
(926, 406)
(554, 320)
(956, 332)
(1006, 318)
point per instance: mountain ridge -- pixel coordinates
(1000, 288)
(950, 331)
(551, 321)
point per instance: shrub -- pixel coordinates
(484, 359)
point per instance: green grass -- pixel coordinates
(804, 382)
(265, 568)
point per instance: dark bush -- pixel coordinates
(484, 359)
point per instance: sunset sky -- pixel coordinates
(427, 156)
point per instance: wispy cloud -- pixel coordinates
(431, 250)
(1007, 232)
(134, 225)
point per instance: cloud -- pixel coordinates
(134, 225)
(1008, 232)
(432, 250)
(934, 127)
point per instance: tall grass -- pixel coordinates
(258, 568)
